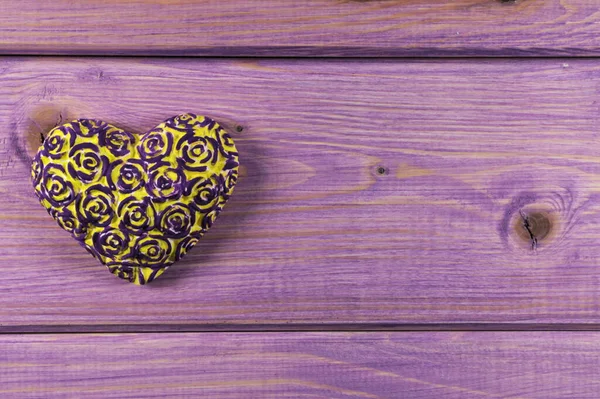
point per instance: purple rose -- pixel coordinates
(155, 145)
(95, 206)
(230, 181)
(118, 142)
(183, 122)
(58, 142)
(165, 182)
(152, 252)
(111, 242)
(36, 169)
(205, 192)
(70, 223)
(127, 176)
(137, 215)
(86, 163)
(195, 152)
(86, 127)
(56, 187)
(184, 246)
(176, 221)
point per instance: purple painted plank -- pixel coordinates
(301, 28)
(311, 365)
(469, 151)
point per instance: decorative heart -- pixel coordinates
(137, 204)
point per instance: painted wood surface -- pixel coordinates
(390, 192)
(301, 365)
(300, 28)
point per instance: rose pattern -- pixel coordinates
(176, 221)
(136, 203)
(203, 193)
(165, 181)
(59, 143)
(136, 216)
(86, 127)
(152, 251)
(196, 152)
(117, 141)
(55, 187)
(85, 163)
(36, 169)
(111, 242)
(184, 246)
(126, 177)
(69, 222)
(156, 145)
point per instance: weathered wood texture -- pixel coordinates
(313, 234)
(307, 27)
(307, 365)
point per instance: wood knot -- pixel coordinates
(533, 222)
(533, 227)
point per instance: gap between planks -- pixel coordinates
(175, 56)
(282, 328)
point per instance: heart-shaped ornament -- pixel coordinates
(137, 203)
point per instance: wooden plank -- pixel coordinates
(301, 28)
(313, 233)
(307, 365)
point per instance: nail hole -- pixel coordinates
(239, 128)
(381, 170)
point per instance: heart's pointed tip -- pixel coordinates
(137, 275)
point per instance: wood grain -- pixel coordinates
(301, 28)
(301, 365)
(314, 234)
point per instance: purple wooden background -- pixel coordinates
(353, 28)
(302, 365)
(407, 195)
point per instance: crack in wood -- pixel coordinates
(527, 226)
